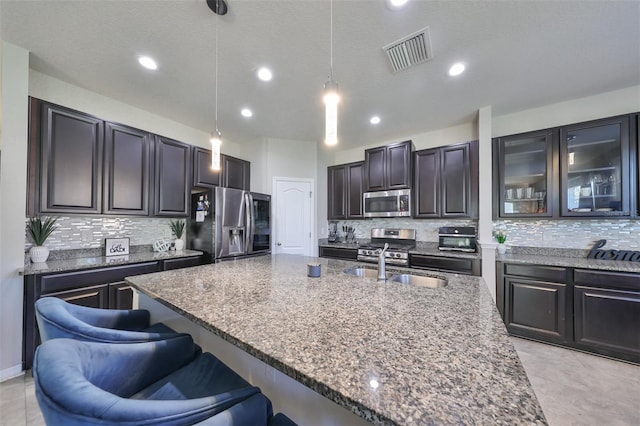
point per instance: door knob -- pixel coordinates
(279, 244)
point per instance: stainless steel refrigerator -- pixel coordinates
(243, 223)
(228, 223)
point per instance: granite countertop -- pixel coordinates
(422, 247)
(572, 258)
(389, 352)
(75, 264)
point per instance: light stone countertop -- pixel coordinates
(565, 258)
(438, 356)
(92, 262)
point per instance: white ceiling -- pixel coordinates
(519, 55)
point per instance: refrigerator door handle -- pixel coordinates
(248, 200)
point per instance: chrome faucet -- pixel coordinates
(382, 266)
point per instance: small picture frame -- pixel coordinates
(116, 246)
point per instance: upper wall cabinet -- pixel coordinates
(65, 170)
(594, 168)
(203, 174)
(446, 181)
(236, 173)
(388, 167)
(172, 177)
(579, 170)
(127, 170)
(524, 173)
(345, 189)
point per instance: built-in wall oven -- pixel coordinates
(457, 238)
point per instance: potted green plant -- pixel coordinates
(38, 230)
(177, 228)
(501, 237)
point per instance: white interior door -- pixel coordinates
(293, 201)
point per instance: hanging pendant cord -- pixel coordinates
(331, 44)
(216, 83)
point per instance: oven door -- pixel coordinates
(450, 242)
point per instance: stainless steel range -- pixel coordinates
(400, 242)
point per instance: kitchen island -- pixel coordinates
(389, 352)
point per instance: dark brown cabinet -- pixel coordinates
(607, 313)
(458, 265)
(388, 167)
(172, 177)
(68, 148)
(120, 296)
(345, 188)
(127, 170)
(591, 310)
(595, 166)
(336, 192)
(524, 176)
(94, 297)
(236, 173)
(338, 253)
(537, 302)
(203, 174)
(578, 170)
(446, 181)
(536, 308)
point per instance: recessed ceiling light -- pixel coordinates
(456, 69)
(396, 4)
(374, 120)
(265, 74)
(246, 112)
(148, 63)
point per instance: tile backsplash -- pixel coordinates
(576, 234)
(426, 230)
(78, 232)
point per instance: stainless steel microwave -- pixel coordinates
(395, 203)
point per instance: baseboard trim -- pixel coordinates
(11, 372)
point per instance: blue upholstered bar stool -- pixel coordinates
(163, 382)
(57, 319)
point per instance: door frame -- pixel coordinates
(313, 248)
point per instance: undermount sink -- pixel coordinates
(362, 272)
(420, 281)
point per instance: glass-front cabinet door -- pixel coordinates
(525, 165)
(594, 168)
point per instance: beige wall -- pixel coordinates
(13, 181)
(607, 104)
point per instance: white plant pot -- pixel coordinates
(39, 254)
(179, 244)
(502, 248)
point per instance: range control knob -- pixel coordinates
(398, 254)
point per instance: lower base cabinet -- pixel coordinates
(536, 309)
(591, 310)
(96, 288)
(338, 253)
(607, 313)
(457, 265)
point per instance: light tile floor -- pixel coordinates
(573, 388)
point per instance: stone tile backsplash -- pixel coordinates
(426, 229)
(576, 234)
(79, 232)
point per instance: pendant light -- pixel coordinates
(331, 99)
(216, 136)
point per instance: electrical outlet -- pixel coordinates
(87, 235)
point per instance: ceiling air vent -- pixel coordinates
(411, 50)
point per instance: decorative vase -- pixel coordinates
(179, 244)
(39, 254)
(502, 248)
